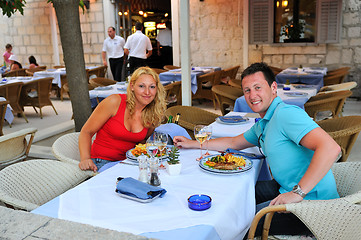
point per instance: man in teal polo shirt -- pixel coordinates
(300, 154)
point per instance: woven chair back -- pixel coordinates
(332, 101)
(338, 87)
(339, 70)
(231, 72)
(15, 73)
(275, 70)
(348, 178)
(336, 78)
(98, 71)
(226, 96)
(3, 106)
(59, 66)
(101, 82)
(158, 70)
(11, 92)
(344, 131)
(170, 67)
(173, 91)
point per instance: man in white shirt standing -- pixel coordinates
(113, 47)
(138, 47)
(164, 43)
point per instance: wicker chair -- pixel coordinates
(275, 70)
(170, 67)
(191, 116)
(344, 131)
(101, 81)
(235, 83)
(15, 73)
(336, 78)
(332, 101)
(30, 184)
(338, 70)
(231, 72)
(3, 106)
(30, 72)
(66, 149)
(14, 147)
(226, 96)
(326, 219)
(58, 66)
(338, 87)
(11, 92)
(173, 93)
(36, 93)
(159, 70)
(97, 72)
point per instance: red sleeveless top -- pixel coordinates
(113, 140)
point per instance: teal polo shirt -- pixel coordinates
(279, 134)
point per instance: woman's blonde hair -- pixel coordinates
(153, 113)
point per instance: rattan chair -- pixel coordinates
(191, 116)
(173, 93)
(30, 184)
(231, 72)
(338, 87)
(332, 102)
(15, 73)
(327, 219)
(170, 67)
(226, 96)
(159, 70)
(235, 83)
(275, 70)
(336, 78)
(59, 66)
(36, 93)
(11, 92)
(338, 70)
(344, 131)
(30, 72)
(66, 148)
(3, 107)
(15, 147)
(101, 82)
(97, 72)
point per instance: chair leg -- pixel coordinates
(54, 109)
(35, 109)
(23, 114)
(41, 113)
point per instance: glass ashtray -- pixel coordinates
(199, 202)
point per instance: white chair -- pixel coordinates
(326, 219)
(28, 185)
(66, 148)
(15, 147)
(338, 87)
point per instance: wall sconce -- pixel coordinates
(86, 3)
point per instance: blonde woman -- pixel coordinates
(122, 120)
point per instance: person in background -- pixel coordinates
(33, 63)
(164, 44)
(122, 120)
(113, 48)
(7, 54)
(14, 63)
(138, 47)
(300, 154)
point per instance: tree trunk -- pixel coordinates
(67, 13)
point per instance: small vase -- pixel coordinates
(173, 169)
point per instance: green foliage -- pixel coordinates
(173, 155)
(9, 7)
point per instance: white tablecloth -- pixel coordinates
(54, 73)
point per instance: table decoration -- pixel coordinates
(173, 165)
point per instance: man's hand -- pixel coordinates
(284, 198)
(105, 63)
(88, 164)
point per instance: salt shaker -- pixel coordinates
(143, 168)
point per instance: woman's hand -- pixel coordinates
(88, 164)
(183, 142)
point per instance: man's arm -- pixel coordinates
(104, 55)
(325, 154)
(149, 53)
(126, 51)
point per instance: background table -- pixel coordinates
(54, 73)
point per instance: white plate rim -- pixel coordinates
(249, 162)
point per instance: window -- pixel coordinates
(282, 21)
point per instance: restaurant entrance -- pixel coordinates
(154, 14)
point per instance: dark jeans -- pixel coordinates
(136, 63)
(282, 223)
(116, 66)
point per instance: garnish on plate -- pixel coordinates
(226, 162)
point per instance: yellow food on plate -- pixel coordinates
(239, 161)
(139, 149)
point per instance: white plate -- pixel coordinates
(206, 168)
(232, 123)
(133, 158)
(295, 94)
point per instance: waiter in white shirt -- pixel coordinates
(113, 47)
(138, 47)
(164, 44)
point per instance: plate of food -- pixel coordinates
(140, 149)
(229, 163)
(231, 120)
(296, 94)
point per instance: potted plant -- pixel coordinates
(173, 164)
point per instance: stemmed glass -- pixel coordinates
(200, 133)
(152, 149)
(161, 140)
(209, 134)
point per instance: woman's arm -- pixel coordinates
(105, 110)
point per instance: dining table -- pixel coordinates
(175, 75)
(307, 75)
(298, 94)
(232, 208)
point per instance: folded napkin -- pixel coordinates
(232, 119)
(134, 188)
(246, 154)
(172, 130)
(295, 94)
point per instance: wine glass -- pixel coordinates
(151, 146)
(208, 129)
(161, 140)
(200, 134)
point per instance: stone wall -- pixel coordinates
(216, 37)
(345, 53)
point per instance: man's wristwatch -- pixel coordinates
(297, 189)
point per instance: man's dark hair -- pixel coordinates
(112, 28)
(260, 67)
(138, 26)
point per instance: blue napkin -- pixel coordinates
(172, 130)
(134, 188)
(232, 119)
(248, 155)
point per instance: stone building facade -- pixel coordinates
(217, 37)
